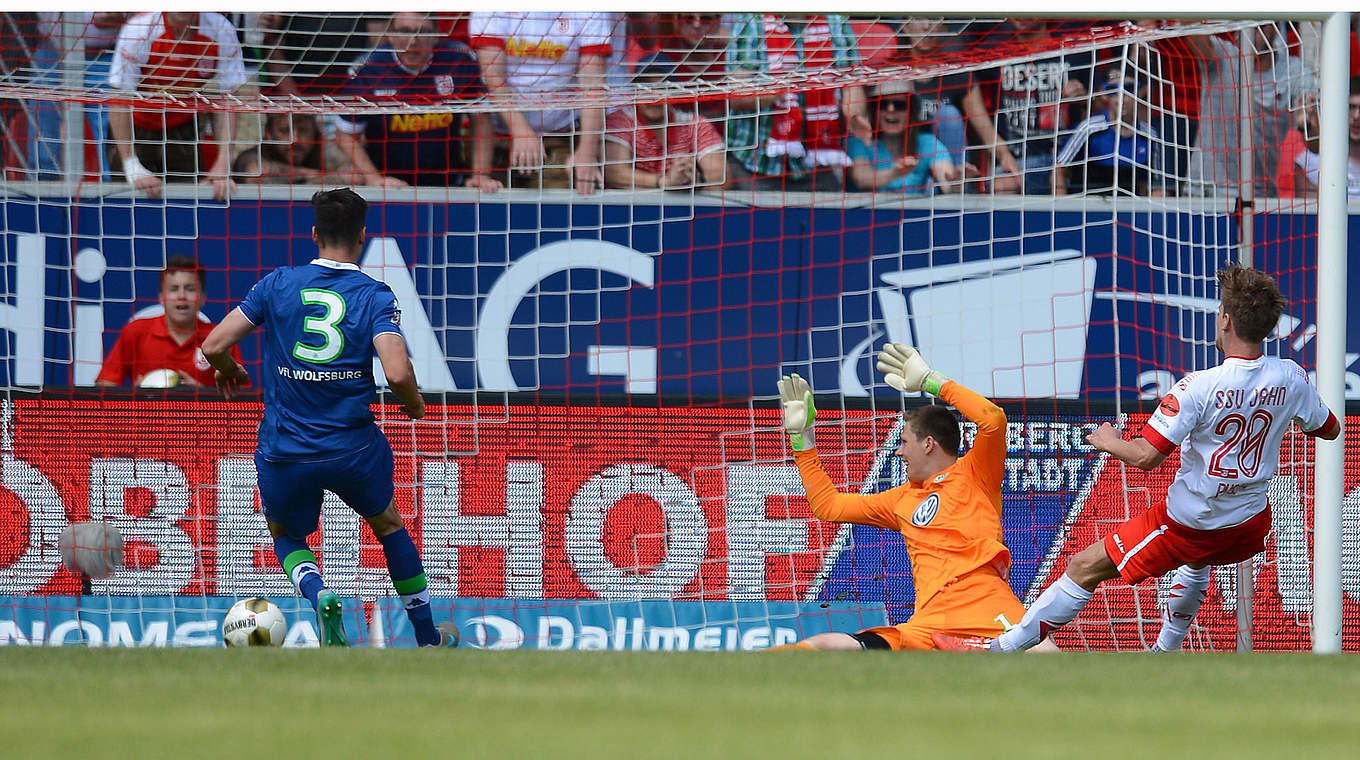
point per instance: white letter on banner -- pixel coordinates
(522, 277)
(1294, 573)
(110, 480)
(686, 533)
(383, 261)
(519, 531)
(555, 632)
(340, 537)
(89, 633)
(201, 633)
(46, 519)
(750, 534)
(24, 319)
(155, 633)
(241, 532)
(1350, 537)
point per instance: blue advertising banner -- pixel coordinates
(687, 301)
(196, 621)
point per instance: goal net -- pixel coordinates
(610, 234)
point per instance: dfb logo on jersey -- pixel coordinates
(926, 511)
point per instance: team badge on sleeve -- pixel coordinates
(396, 317)
(1170, 405)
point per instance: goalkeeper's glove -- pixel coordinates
(906, 370)
(799, 411)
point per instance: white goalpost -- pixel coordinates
(1040, 204)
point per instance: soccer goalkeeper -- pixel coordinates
(948, 511)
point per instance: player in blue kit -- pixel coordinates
(324, 322)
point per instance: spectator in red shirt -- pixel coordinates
(655, 145)
(173, 54)
(170, 341)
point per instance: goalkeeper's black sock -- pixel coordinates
(408, 577)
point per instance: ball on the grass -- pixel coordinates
(94, 549)
(254, 622)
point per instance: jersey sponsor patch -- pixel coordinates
(1170, 406)
(926, 511)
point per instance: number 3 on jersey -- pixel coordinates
(324, 325)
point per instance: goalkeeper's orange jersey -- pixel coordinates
(952, 522)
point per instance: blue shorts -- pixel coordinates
(291, 492)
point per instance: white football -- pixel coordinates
(254, 622)
(160, 378)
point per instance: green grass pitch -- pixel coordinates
(468, 704)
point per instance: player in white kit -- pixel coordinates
(1229, 422)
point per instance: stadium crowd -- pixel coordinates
(1145, 118)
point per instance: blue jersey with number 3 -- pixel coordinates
(320, 321)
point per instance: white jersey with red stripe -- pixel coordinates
(543, 50)
(1229, 422)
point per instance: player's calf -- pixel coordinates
(408, 578)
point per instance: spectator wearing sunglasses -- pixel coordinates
(904, 157)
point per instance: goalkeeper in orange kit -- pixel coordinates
(948, 511)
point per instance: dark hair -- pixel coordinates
(272, 151)
(182, 263)
(1252, 299)
(933, 421)
(913, 126)
(274, 162)
(339, 217)
(1355, 85)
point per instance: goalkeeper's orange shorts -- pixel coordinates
(978, 604)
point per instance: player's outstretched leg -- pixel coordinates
(408, 577)
(1188, 586)
(299, 563)
(328, 611)
(1055, 608)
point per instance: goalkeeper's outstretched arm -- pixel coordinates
(905, 369)
(795, 395)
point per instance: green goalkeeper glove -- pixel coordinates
(799, 411)
(906, 370)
